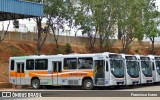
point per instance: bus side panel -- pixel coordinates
(12, 77)
(74, 77)
(64, 78)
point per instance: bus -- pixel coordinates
(132, 70)
(145, 69)
(155, 68)
(115, 64)
(86, 70)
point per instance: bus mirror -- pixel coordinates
(112, 69)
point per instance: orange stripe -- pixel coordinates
(15, 74)
(12, 74)
(77, 73)
(31, 74)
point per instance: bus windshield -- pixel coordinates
(146, 68)
(158, 67)
(132, 68)
(117, 68)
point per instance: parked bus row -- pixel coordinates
(86, 70)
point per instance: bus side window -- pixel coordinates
(41, 64)
(30, 64)
(106, 65)
(85, 63)
(70, 63)
(12, 65)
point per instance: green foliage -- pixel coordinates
(96, 16)
(151, 22)
(151, 25)
(135, 18)
(131, 16)
(68, 48)
(59, 51)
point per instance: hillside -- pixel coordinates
(24, 48)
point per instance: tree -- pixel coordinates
(61, 13)
(40, 38)
(4, 32)
(40, 31)
(84, 21)
(151, 23)
(97, 15)
(68, 48)
(130, 21)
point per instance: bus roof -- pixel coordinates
(61, 55)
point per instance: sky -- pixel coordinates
(29, 25)
(158, 3)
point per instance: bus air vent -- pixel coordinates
(75, 82)
(72, 82)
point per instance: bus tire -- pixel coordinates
(35, 83)
(88, 84)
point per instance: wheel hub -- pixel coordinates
(88, 84)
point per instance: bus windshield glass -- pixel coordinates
(158, 67)
(146, 68)
(132, 68)
(117, 67)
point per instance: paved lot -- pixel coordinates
(59, 93)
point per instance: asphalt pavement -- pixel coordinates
(145, 92)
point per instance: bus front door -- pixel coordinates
(57, 69)
(20, 73)
(99, 72)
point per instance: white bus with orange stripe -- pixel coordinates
(86, 70)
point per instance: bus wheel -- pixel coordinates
(35, 83)
(88, 84)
